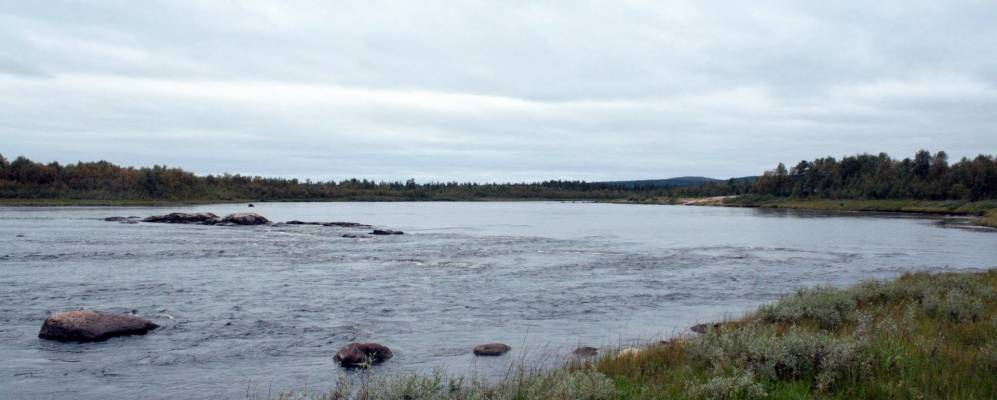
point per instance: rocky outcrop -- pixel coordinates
(90, 326)
(245, 219)
(586, 351)
(386, 232)
(183, 218)
(362, 355)
(491, 349)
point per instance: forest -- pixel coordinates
(926, 176)
(24, 179)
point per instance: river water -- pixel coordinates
(265, 308)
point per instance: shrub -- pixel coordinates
(770, 355)
(988, 356)
(586, 384)
(740, 386)
(830, 307)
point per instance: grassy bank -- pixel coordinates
(923, 336)
(985, 210)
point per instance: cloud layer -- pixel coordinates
(493, 91)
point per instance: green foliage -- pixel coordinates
(921, 336)
(739, 386)
(561, 384)
(24, 179)
(866, 176)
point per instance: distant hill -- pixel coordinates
(682, 181)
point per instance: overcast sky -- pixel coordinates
(493, 91)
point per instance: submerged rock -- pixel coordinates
(362, 355)
(245, 219)
(336, 223)
(346, 224)
(119, 219)
(386, 232)
(296, 222)
(354, 236)
(586, 351)
(90, 326)
(183, 218)
(491, 349)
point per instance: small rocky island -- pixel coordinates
(246, 219)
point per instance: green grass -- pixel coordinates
(922, 336)
(986, 210)
(990, 219)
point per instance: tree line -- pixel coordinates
(27, 179)
(926, 176)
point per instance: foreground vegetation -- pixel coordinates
(922, 336)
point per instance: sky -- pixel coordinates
(494, 91)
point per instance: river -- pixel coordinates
(265, 308)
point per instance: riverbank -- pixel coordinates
(920, 336)
(984, 211)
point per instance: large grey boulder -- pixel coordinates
(362, 355)
(90, 326)
(183, 218)
(245, 219)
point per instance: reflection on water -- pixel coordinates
(270, 305)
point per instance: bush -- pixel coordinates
(988, 356)
(740, 386)
(770, 355)
(829, 306)
(564, 384)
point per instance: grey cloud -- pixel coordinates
(493, 91)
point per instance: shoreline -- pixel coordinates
(884, 339)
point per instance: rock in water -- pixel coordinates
(586, 351)
(362, 355)
(89, 326)
(386, 232)
(245, 219)
(491, 349)
(183, 218)
(702, 328)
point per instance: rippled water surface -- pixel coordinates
(266, 308)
